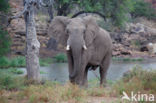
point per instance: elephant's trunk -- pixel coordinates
(76, 53)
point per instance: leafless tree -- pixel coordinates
(32, 43)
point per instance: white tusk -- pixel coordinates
(84, 46)
(68, 47)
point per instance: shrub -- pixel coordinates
(4, 5)
(9, 82)
(60, 58)
(45, 61)
(14, 62)
(142, 8)
(54, 93)
(4, 62)
(137, 80)
(15, 71)
(4, 42)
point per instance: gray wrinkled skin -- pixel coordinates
(76, 33)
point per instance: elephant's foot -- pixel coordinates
(103, 83)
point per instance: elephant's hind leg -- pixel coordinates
(103, 69)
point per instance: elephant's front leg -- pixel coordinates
(85, 69)
(70, 62)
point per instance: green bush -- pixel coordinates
(9, 81)
(20, 61)
(45, 61)
(5, 42)
(4, 62)
(4, 5)
(137, 80)
(15, 71)
(13, 62)
(60, 58)
(142, 8)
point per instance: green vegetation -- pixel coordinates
(15, 71)
(20, 61)
(4, 5)
(12, 62)
(117, 11)
(4, 42)
(60, 58)
(127, 59)
(113, 9)
(136, 80)
(136, 44)
(142, 8)
(9, 81)
(46, 61)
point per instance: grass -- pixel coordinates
(46, 61)
(127, 59)
(15, 71)
(9, 81)
(60, 58)
(53, 93)
(137, 80)
(20, 61)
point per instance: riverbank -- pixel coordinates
(20, 61)
(19, 90)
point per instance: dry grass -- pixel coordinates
(53, 93)
(136, 80)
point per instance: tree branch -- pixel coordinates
(18, 15)
(94, 12)
(3, 15)
(46, 5)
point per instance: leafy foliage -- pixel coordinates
(4, 5)
(114, 9)
(60, 58)
(142, 8)
(4, 42)
(20, 61)
(14, 62)
(9, 81)
(137, 80)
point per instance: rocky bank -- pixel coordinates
(132, 42)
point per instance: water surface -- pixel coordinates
(59, 71)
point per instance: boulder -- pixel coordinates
(151, 48)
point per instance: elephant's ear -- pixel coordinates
(57, 29)
(92, 29)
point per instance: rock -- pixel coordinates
(52, 44)
(135, 28)
(151, 48)
(151, 31)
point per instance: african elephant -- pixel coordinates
(87, 45)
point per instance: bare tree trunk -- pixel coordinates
(32, 47)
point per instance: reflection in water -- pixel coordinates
(59, 71)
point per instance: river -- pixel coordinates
(59, 71)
